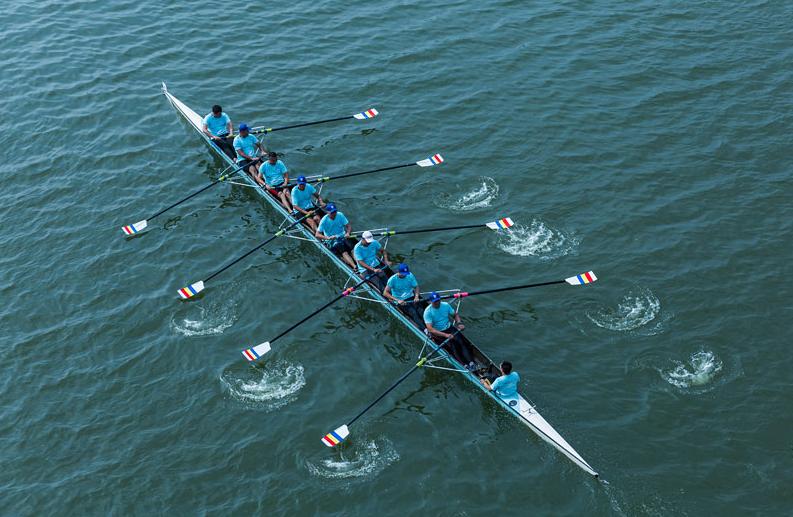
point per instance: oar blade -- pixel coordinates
(252, 354)
(334, 438)
(435, 159)
(582, 279)
(132, 229)
(370, 113)
(501, 224)
(191, 290)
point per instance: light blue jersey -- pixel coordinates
(273, 174)
(506, 386)
(333, 227)
(402, 288)
(368, 254)
(302, 198)
(218, 126)
(440, 318)
(247, 145)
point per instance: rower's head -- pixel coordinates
(272, 157)
(217, 110)
(367, 238)
(506, 367)
(244, 129)
(331, 209)
(435, 299)
(301, 182)
(403, 270)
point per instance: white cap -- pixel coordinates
(367, 236)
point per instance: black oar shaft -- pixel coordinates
(344, 293)
(304, 124)
(277, 234)
(426, 230)
(352, 174)
(194, 194)
(401, 379)
(500, 289)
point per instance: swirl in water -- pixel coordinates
(536, 240)
(365, 459)
(207, 319)
(481, 196)
(701, 369)
(635, 310)
(271, 387)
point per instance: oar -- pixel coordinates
(193, 289)
(582, 279)
(501, 224)
(370, 113)
(338, 435)
(138, 227)
(254, 353)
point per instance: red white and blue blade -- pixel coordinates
(501, 224)
(334, 438)
(370, 113)
(435, 159)
(132, 229)
(252, 354)
(583, 278)
(191, 290)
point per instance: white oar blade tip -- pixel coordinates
(333, 438)
(370, 113)
(501, 224)
(435, 159)
(132, 229)
(252, 354)
(582, 279)
(191, 290)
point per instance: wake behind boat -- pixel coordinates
(485, 368)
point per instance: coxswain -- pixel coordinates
(505, 386)
(438, 318)
(334, 229)
(302, 201)
(371, 258)
(403, 289)
(248, 148)
(276, 179)
(217, 126)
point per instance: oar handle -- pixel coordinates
(404, 376)
(279, 233)
(260, 130)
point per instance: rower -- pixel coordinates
(334, 229)
(246, 145)
(217, 126)
(401, 287)
(276, 179)
(438, 318)
(371, 258)
(505, 386)
(302, 202)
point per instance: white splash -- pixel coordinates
(481, 195)
(700, 370)
(206, 319)
(363, 460)
(270, 387)
(536, 240)
(635, 310)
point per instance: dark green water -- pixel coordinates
(648, 141)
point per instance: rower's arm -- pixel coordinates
(230, 128)
(321, 236)
(347, 229)
(416, 293)
(385, 256)
(435, 332)
(366, 266)
(387, 293)
(205, 129)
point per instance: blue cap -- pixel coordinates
(434, 297)
(301, 180)
(404, 269)
(244, 127)
(330, 208)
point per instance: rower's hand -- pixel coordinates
(460, 326)
(401, 302)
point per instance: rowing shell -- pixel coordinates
(518, 407)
